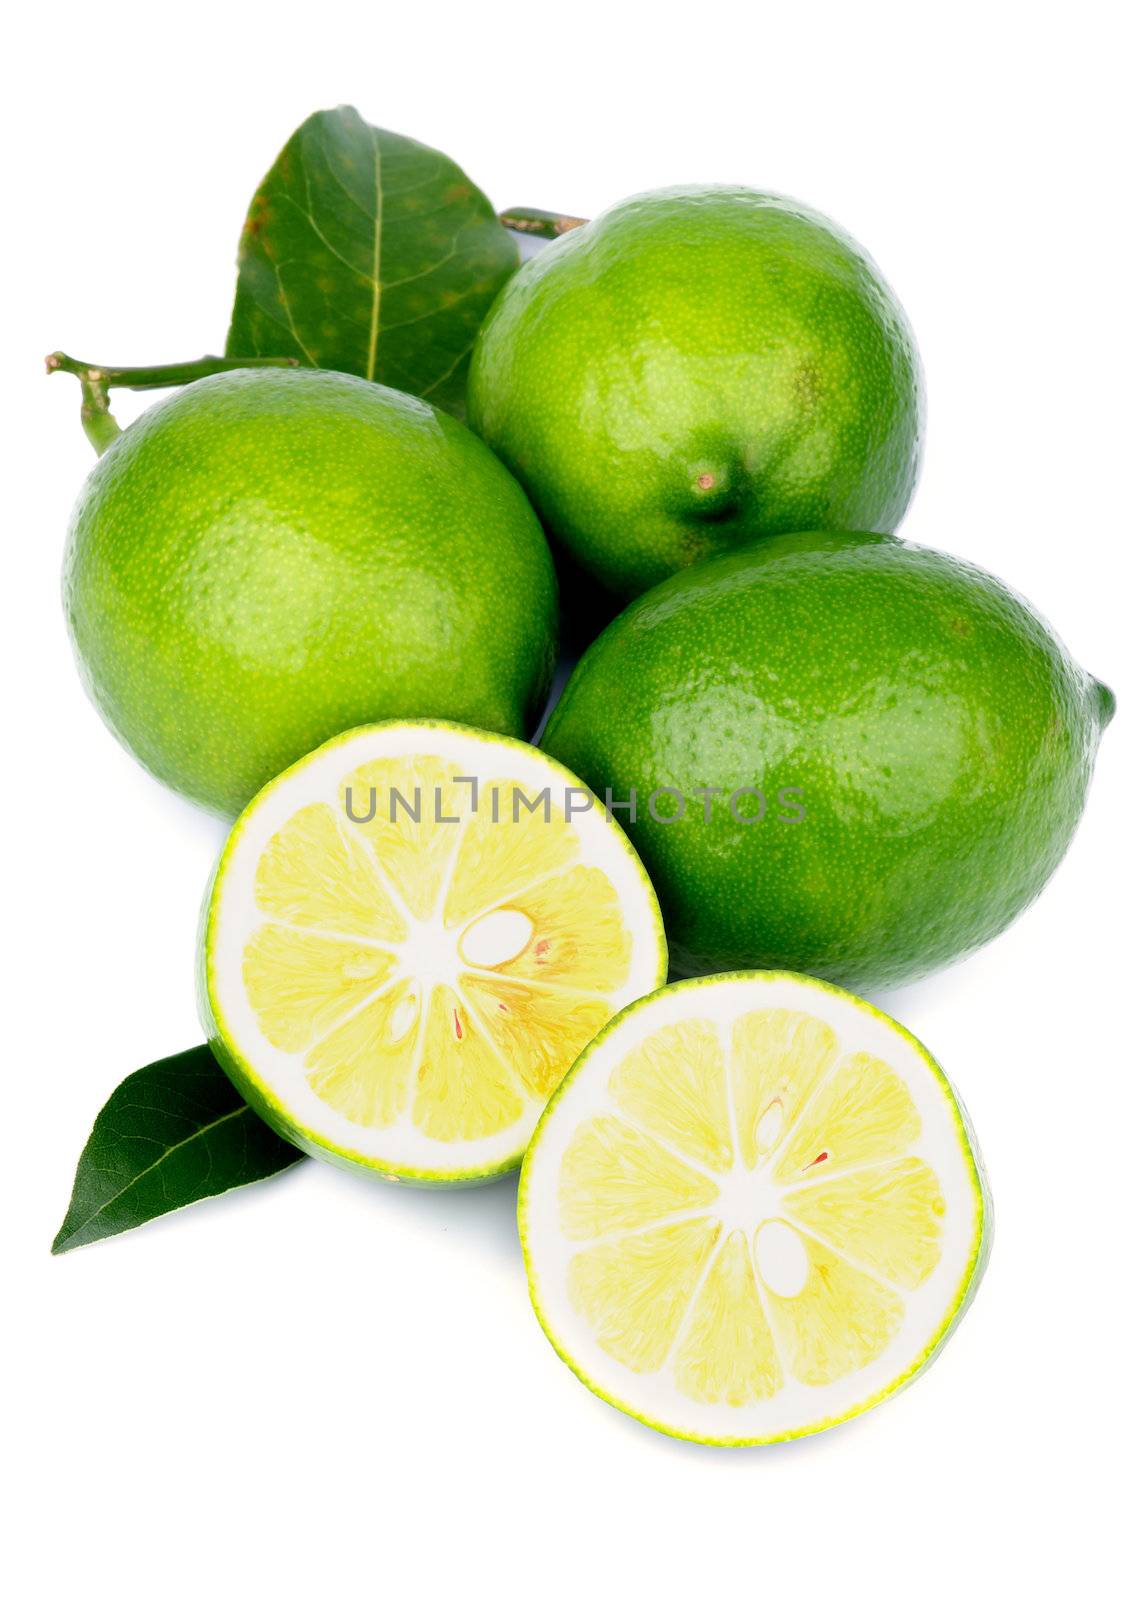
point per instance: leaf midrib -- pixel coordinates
(375, 319)
(207, 1127)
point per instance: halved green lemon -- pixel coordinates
(753, 1209)
(410, 936)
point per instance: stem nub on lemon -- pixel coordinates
(694, 368)
(753, 1209)
(410, 936)
(269, 557)
(866, 758)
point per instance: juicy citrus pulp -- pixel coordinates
(752, 1209)
(411, 935)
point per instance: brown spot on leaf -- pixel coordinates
(257, 217)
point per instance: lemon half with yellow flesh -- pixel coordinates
(753, 1209)
(410, 936)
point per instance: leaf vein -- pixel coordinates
(206, 1128)
(375, 318)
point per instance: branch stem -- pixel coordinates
(540, 224)
(96, 382)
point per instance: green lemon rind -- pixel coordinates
(267, 557)
(936, 732)
(695, 368)
(241, 1073)
(961, 1299)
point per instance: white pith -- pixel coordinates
(431, 955)
(750, 1202)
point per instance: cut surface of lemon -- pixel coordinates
(753, 1209)
(410, 936)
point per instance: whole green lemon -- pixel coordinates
(694, 368)
(848, 755)
(269, 557)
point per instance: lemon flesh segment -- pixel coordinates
(778, 1057)
(635, 1292)
(302, 985)
(752, 1210)
(399, 808)
(503, 857)
(675, 1086)
(710, 1367)
(314, 874)
(615, 1178)
(384, 1033)
(539, 1030)
(410, 937)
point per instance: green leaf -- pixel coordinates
(366, 252)
(172, 1133)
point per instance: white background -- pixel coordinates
(319, 1386)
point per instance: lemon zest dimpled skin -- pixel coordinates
(269, 557)
(932, 731)
(696, 367)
